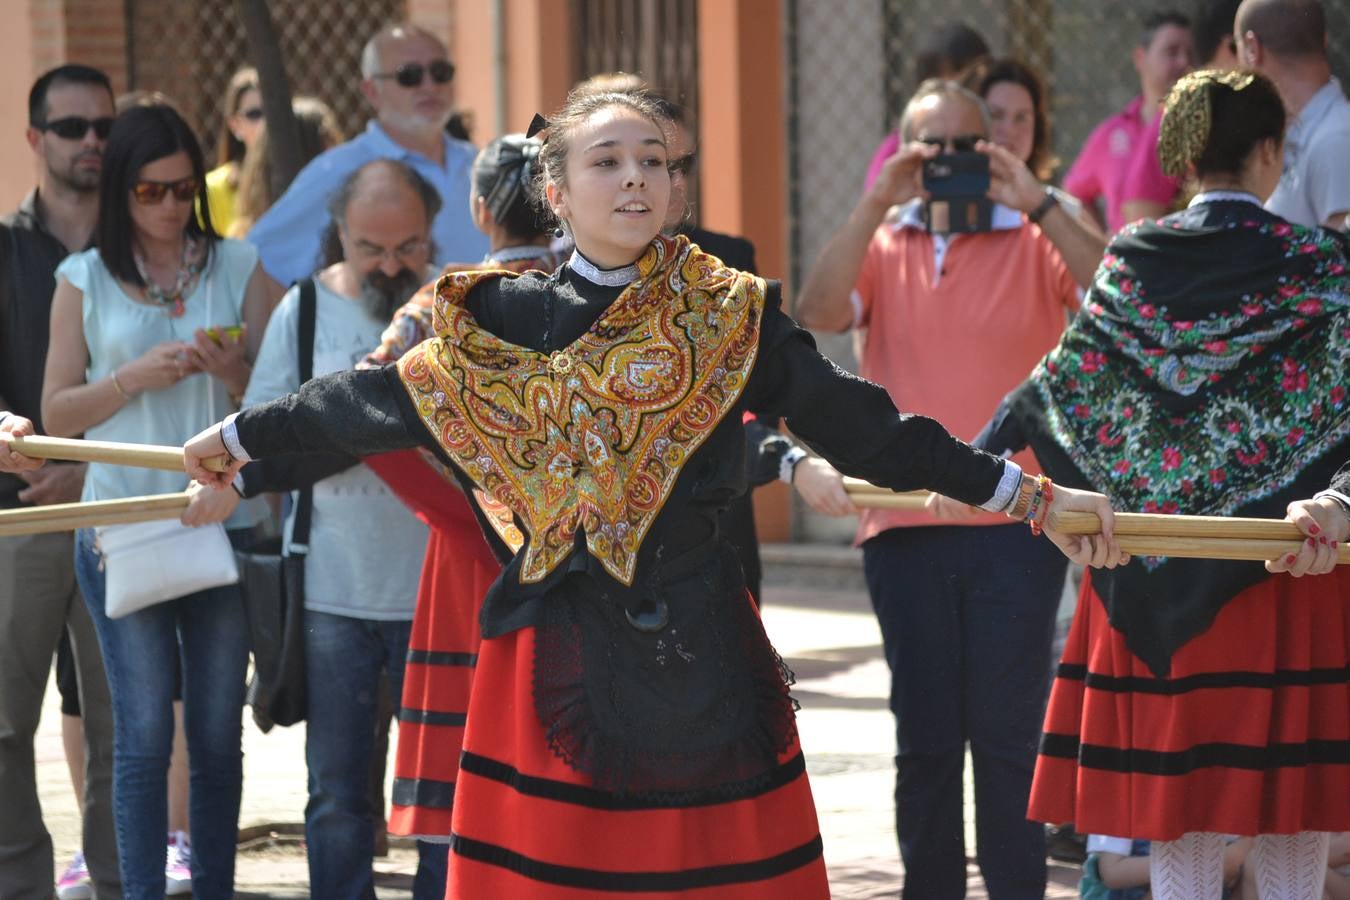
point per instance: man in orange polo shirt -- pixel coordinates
(966, 609)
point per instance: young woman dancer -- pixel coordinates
(1205, 376)
(630, 728)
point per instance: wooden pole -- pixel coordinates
(144, 456)
(70, 516)
(1144, 534)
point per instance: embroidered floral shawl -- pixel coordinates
(592, 437)
(1206, 375)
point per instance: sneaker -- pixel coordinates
(75, 883)
(178, 866)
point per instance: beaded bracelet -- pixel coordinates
(1045, 495)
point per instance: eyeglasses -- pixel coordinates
(369, 253)
(683, 165)
(148, 193)
(410, 74)
(74, 128)
(253, 114)
(961, 143)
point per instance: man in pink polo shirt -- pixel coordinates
(1103, 168)
(966, 609)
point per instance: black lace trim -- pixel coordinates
(698, 710)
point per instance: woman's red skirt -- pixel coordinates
(1250, 733)
(526, 825)
(442, 649)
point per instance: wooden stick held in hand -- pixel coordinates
(1144, 534)
(144, 456)
(70, 516)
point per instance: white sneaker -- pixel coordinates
(75, 883)
(178, 866)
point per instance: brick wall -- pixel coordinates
(92, 32)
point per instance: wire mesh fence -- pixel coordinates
(188, 51)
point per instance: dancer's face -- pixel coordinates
(616, 187)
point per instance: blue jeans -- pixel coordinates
(967, 618)
(344, 657)
(209, 633)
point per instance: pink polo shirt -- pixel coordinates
(954, 325)
(1144, 178)
(1103, 166)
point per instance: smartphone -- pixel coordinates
(958, 187)
(233, 332)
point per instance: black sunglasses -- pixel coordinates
(410, 74)
(73, 128)
(253, 114)
(961, 143)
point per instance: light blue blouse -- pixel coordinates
(119, 329)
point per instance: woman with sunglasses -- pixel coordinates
(149, 341)
(243, 123)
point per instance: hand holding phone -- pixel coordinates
(958, 193)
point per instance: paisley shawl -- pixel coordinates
(591, 437)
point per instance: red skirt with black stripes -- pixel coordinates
(1250, 733)
(442, 649)
(526, 825)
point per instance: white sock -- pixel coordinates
(1189, 868)
(1290, 866)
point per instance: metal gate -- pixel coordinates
(188, 51)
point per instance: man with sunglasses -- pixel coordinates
(966, 607)
(70, 112)
(407, 77)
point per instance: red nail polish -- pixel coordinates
(1323, 539)
(1312, 543)
(1313, 529)
(1290, 559)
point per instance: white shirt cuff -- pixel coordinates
(1342, 499)
(5, 414)
(1006, 492)
(230, 435)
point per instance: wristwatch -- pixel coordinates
(1049, 203)
(787, 466)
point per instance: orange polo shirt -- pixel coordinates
(954, 324)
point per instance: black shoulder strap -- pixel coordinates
(304, 504)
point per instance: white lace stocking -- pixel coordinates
(1290, 866)
(1189, 868)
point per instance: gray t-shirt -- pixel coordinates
(365, 546)
(1316, 180)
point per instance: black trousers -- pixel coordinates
(967, 618)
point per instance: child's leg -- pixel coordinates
(1189, 868)
(1291, 866)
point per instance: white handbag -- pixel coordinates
(149, 562)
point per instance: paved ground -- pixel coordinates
(828, 636)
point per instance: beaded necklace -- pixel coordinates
(171, 300)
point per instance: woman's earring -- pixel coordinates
(558, 232)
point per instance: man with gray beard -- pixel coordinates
(365, 546)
